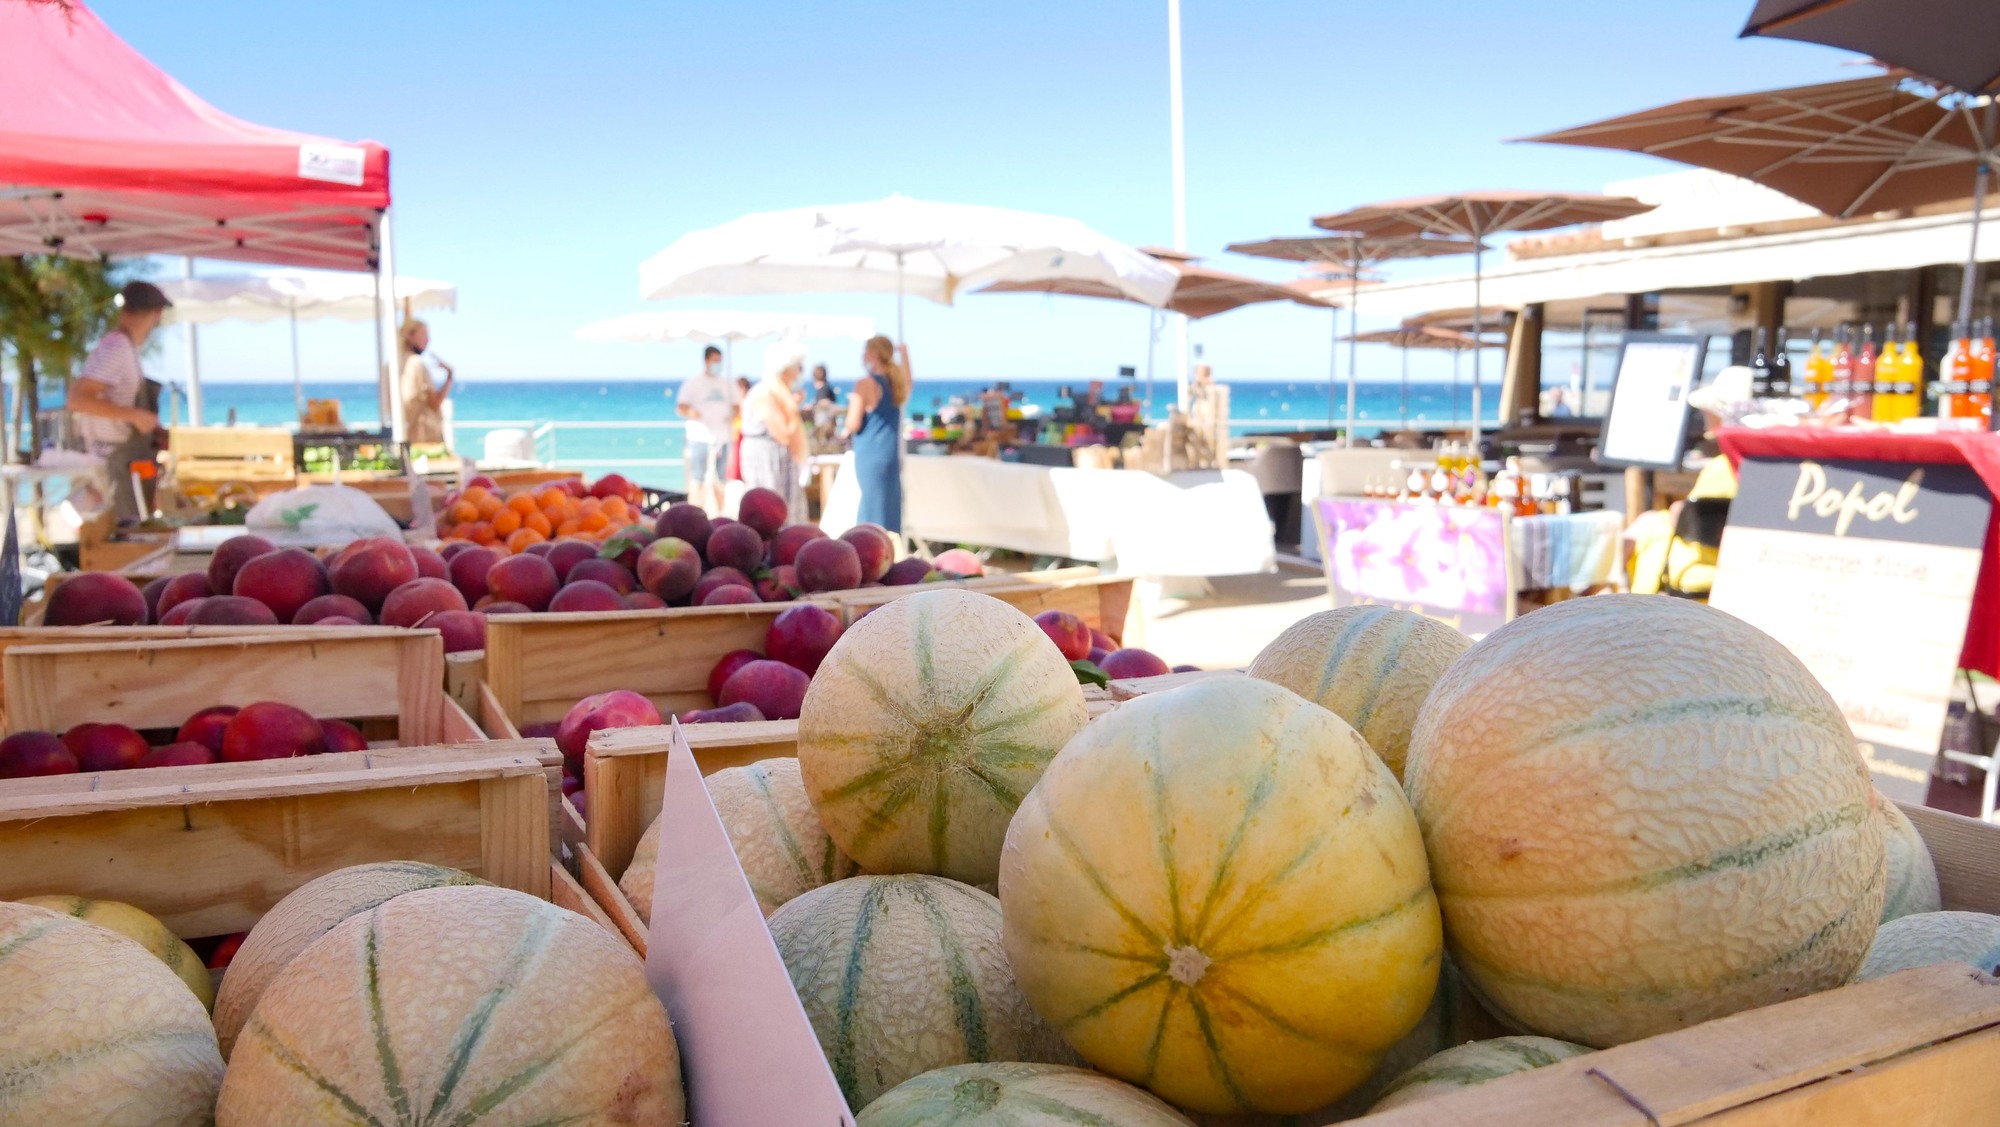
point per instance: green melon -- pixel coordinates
(310, 911)
(1371, 666)
(1017, 1095)
(1934, 937)
(783, 848)
(97, 1030)
(1476, 1063)
(1913, 880)
(900, 975)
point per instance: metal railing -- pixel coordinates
(547, 445)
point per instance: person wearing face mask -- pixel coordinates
(105, 400)
(423, 400)
(709, 403)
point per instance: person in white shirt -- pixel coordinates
(709, 403)
(103, 401)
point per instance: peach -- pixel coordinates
(566, 554)
(586, 595)
(740, 712)
(626, 544)
(206, 727)
(467, 570)
(96, 597)
(729, 594)
(644, 600)
(611, 573)
(737, 546)
(786, 544)
(151, 593)
(1101, 640)
(959, 561)
(179, 589)
(333, 606)
(229, 558)
(801, 637)
(775, 688)
(730, 663)
(619, 708)
(284, 580)
(430, 565)
(669, 568)
(524, 579)
(1097, 656)
(614, 485)
(1120, 665)
(35, 753)
(1187, 669)
(270, 730)
(780, 584)
(451, 548)
(415, 601)
(905, 572)
(828, 565)
(462, 630)
(876, 548)
(1070, 633)
(342, 736)
(367, 570)
(683, 521)
(336, 620)
(185, 753)
(719, 577)
(764, 510)
(105, 747)
(229, 610)
(504, 606)
(483, 481)
(540, 548)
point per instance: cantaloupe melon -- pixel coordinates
(142, 929)
(1913, 879)
(1016, 1095)
(96, 1030)
(1466, 1065)
(1934, 937)
(462, 1005)
(310, 911)
(1371, 666)
(779, 840)
(1218, 892)
(903, 974)
(1642, 813)
(925, 725)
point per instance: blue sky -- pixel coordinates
(540, 151)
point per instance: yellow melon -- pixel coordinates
(310, 911)
(926, 724)
(142, 929)
(779, 840)
(473, 1006)
(903, 974)
(1016, 1095)
(1371, 666)
(96, 1030)
(1218, 892)
(1642, 813)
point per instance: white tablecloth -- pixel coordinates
(1198, 523)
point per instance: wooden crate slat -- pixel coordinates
(603, 888)
(1947, 1085)
(1140, 686)
(625, 771)
(1966, 852)
(565, 892)
(464, 675)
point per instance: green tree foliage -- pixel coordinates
(51, 311)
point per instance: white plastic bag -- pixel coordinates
(320, 515)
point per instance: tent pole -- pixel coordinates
(193, 357)
(381, 368)
(1353, 331)
(386, 284)
(298, 381)
(1985, 141)
(899, 298)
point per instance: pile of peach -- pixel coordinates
(564, 510)
(223, 733)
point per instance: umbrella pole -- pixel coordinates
(193, 357)
(1979, 184)
(1453, 420)
(899, 297)
(1478, 339)
(1353, 331)
(1404, 409)
(1152, 340)
(298, 382)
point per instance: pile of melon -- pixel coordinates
(396, 993)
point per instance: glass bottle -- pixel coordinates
(1862, 395)
(1781, 366)
(1760, 367)
(1840, 382)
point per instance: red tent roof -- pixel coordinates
(101, 153)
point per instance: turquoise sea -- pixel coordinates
(629, 426)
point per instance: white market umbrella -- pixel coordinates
(298, 295)
(899, 245)
(707, 326)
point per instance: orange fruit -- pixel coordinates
(616, 508)
(539, 522)
(464, 512)
(568, 528)
(519, 542)
(482, 533)
(521, 503)
(589, 505)
(506, 521)
(551, 498)
(477, 494)
(489, 507)
(592, 521)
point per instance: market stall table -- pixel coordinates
(1195, 523)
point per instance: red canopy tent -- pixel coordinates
(102, 154)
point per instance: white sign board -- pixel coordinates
(1647, 423)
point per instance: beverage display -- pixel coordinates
(1841, 383)
(1780, 385)
(1861, 394)
(1979, 374)
(1954, 372)
(1819, 371)
(1899, 376)
(1760, 368)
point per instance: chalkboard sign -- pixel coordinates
(1648, 420)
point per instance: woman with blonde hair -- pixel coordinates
(874, 414)
(423, 402)
(773, 453)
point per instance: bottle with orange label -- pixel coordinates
(1861, 397)
(1819, 371)
(1954, 373)
(1899, 376)
(1979, 374)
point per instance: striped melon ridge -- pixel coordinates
(1017, 1095)
(759, 774)
(1476, 1063)
(968, 1010)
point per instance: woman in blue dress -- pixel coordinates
(874, 414)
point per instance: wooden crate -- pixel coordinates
(389, 682)
(1103, 601)
(230, 453)
(1140, 686)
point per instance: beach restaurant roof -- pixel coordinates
(104, 154)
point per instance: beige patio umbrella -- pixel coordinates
(1410, 335)
(1476, 216)
(1881, 143)
(1349, 255)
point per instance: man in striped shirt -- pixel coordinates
(103, 400)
